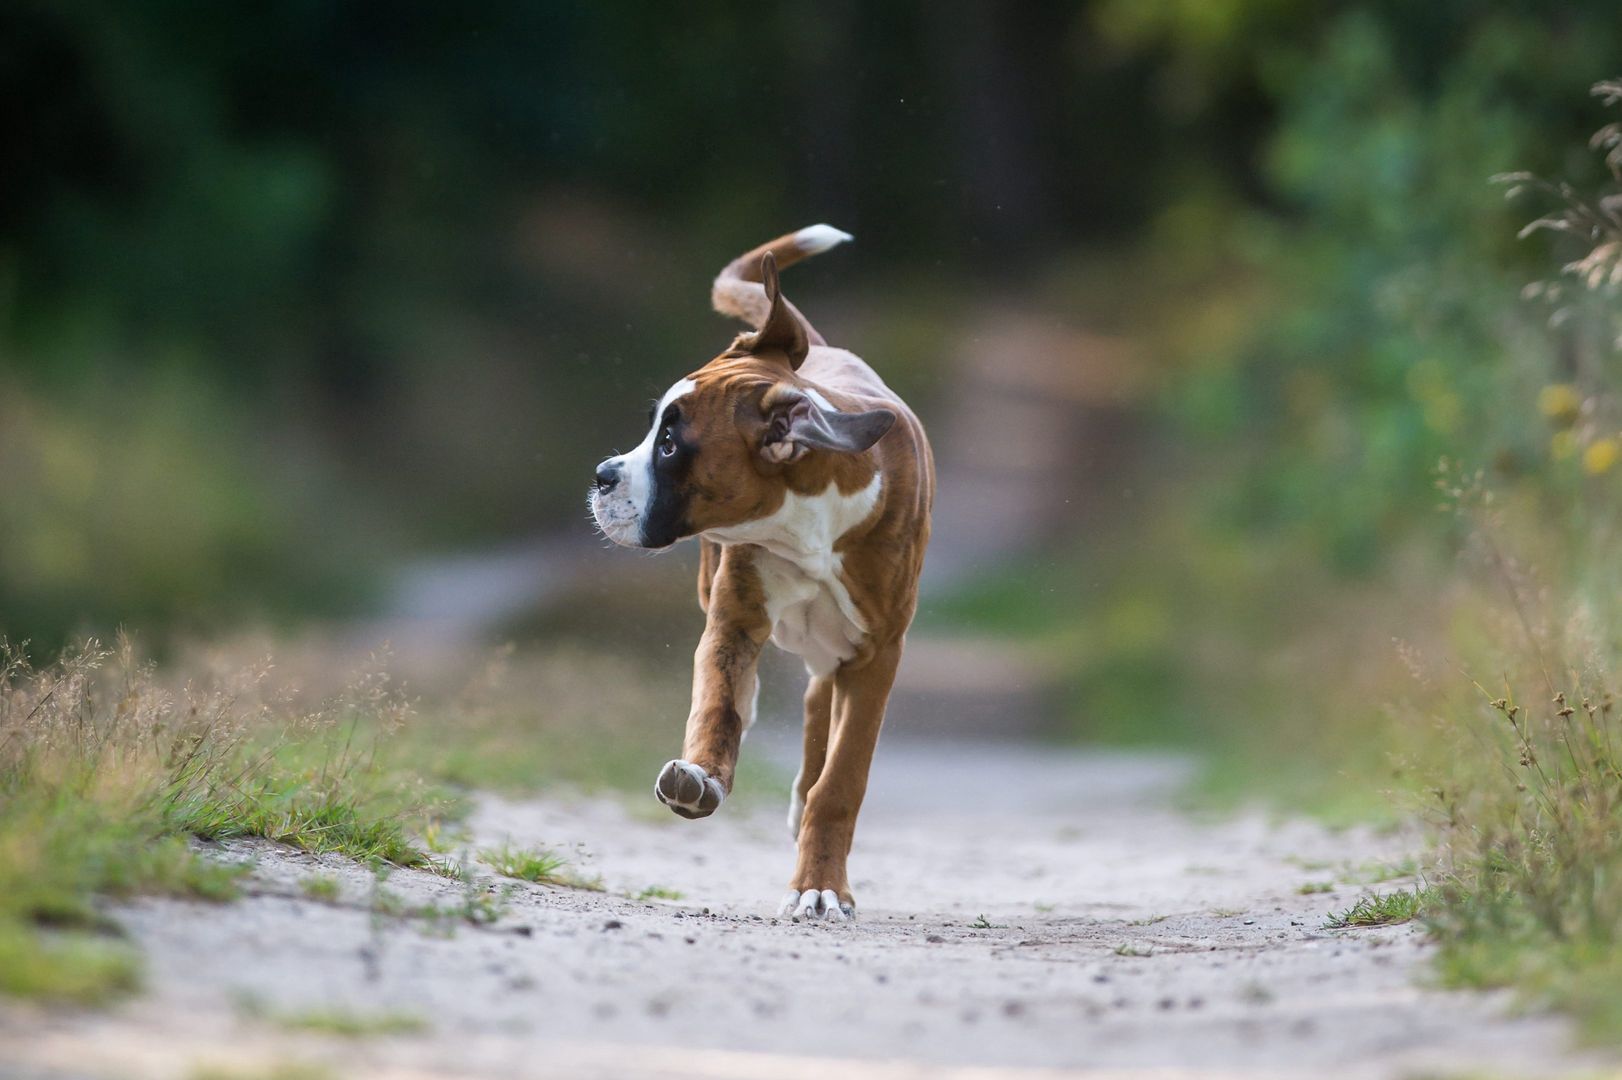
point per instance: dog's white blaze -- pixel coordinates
(815, 239)
(619, 513)
(807, 604)
(638, 464)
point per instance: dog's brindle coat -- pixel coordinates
(808, 484)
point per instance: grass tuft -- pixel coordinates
(1384, 909)
(525, 864)
(658, 892)
(538, 865)
(351, 1025)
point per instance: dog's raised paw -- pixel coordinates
(809, 904)
(688, 789)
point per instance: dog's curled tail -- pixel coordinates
(738, 291)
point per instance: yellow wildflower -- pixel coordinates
(1559, 403)
(1600, 456)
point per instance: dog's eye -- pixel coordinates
(667, 443)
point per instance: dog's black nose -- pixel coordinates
(608, 474)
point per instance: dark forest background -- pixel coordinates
(290, 293)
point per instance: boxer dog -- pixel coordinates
(808, 484)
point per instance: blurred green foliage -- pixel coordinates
(287, 293)
(1377, 326)
(1350, 314)
(154, 503)
(435, 258)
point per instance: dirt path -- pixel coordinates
(1119, 938)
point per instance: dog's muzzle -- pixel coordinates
(611, 505)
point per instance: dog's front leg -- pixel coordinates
(820, 886)
(724, 685)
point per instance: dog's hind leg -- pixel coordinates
(820, 886)
(819, 700)
(724, 686)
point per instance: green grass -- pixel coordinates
(525, 864)
(1531, 893)
(118, 778)
(537, 865)
(64, 966)
(594, 883)
(1384, 909)
(289, 809)
(658, 892)
(321, 888)
(109, 779)
(1580, 977)
(349, 1024)
(1309, 888)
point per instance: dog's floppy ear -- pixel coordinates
(795, 424)
(783, 328)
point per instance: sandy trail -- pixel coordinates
(1119, 937)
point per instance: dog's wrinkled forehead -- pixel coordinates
(714, 394)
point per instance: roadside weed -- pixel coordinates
(526, 864)
(108, 778)
(1384, 909)
(658, 892)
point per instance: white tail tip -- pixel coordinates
(818, 238)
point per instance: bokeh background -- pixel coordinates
(314, 319)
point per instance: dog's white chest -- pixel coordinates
(812, 618)
(809, 608)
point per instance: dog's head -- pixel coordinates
(722, 441)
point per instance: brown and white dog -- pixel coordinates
(808, 484)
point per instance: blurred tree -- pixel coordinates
(1371, 320)
(441, 246)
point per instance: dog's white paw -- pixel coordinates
(815, 904)
(688, 789)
